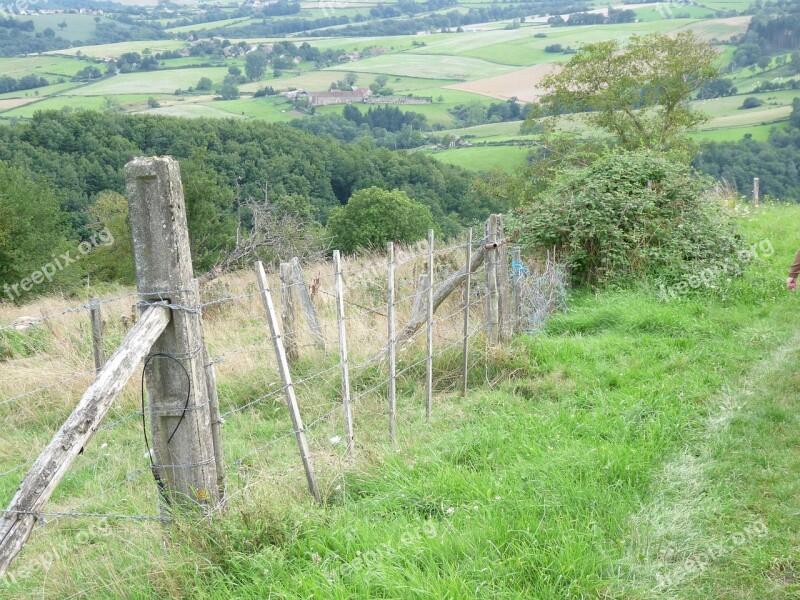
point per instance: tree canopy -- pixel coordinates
(639, 92)
(374, 217)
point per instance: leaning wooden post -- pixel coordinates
(429, 328)
(348, 412)
(467, 289)
(288, 384)
(516, 269)
(392, 348)
(54, 462)
(307, 304)
(756, 185)
(492, 299)
(183, 447)
(503, 287)
(288, 314)
(97, 334)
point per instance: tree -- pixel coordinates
(204, 84)
(374, 216)
(63, 25)
(33, 230)
(229, 92)
(751, 102)
(764, 62)
(628, 216)
(255, 65)
(795, 61)
(350, 79)
(640, 93)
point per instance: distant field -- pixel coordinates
(193, 111)
(435, 67)
(79, 27)
(49, 67)
(521, 84)
(152, 82)
(121, 47)
(484, 158)
(722, 29)
(209, 25)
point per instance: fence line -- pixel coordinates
(356, 373)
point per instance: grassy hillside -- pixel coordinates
(636, 449)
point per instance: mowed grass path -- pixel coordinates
(635, 449)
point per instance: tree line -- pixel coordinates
(74, 163)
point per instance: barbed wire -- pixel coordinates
(47, 387)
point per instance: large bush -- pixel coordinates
(627, 216)
(373, 217)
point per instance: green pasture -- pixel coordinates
(734, 134)
(209, 25)
(193, 111)
(76, 103)
(457, 68)
(152, 82)
(49, 67)
(484, 158)
(731, 105)
(116, 49)
(79, 27)
(263, 109)
(529, 50)
(721, 29)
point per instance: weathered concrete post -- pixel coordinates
(183, 447)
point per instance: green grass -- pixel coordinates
(152, 82)
(633, 443)
(434, 67)
(49, 67)
(79, 27)
(484, 158)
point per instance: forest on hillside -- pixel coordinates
(73, 159)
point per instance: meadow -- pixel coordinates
(635, 448)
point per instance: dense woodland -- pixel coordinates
(79, 156)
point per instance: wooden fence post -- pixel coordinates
(288, 315)
(467, 291)
(216, 417)
(307, 304)
(348, 412)
(492, 298)
(183, 447)
(54, 462)
(97, 334)
(756, 185)
(392, 338)
(288, 385)
(504, 294)
(516, 311)
(429, 328)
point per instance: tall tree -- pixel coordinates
(640, 92)
(255, 65)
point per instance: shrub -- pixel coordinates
(373, 217)
(630, 216)
(751, 102)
